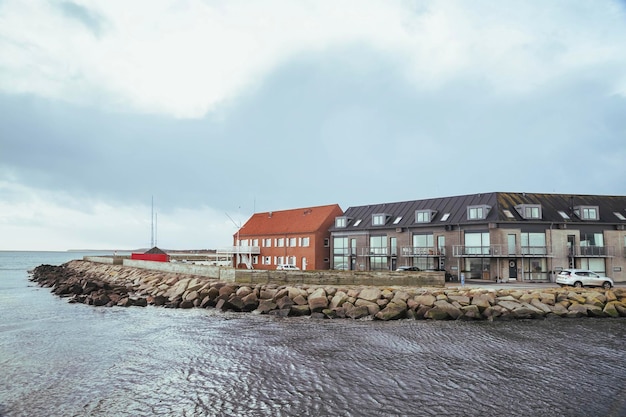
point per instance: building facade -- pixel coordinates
(297, 237)
(507, 236)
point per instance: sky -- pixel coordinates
(204, 112)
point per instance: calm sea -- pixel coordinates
(60, 359)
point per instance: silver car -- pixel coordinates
(583, 278)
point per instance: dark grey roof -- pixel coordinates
(457, 206)
(155, 251)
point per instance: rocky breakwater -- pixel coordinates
(115, 285)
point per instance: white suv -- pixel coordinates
(287, 267)
(583, 277)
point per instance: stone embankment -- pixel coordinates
(115, 285)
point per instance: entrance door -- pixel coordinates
(571, 249)
(513, 268)
(304, 264)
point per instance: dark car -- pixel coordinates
(408, 268)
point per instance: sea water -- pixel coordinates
(62, 359)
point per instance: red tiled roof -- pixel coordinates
(301, 220)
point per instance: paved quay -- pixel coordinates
(479, 283)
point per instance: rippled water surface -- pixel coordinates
(60, 359)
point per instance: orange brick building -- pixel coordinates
(297, 237)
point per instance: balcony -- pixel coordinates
(379, 251)
(498, 251)
(239, 250)
(592, 251)
(422, 251)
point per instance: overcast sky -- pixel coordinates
(217, 109)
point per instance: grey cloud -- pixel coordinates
(88, 18)
(310, 135)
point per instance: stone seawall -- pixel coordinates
(102, 284)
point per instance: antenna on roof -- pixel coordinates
(152, 223)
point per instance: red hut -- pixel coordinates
(155, 254)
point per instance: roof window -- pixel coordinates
(424, 216)
(341, 221)
(478, 212)
(529, 211)
(379, 219)
(587, 212)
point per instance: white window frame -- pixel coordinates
(479, 212)
(584, 212)
(424, 216)
(341, 222)
(379, 219)
(529, 211)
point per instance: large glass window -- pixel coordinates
(477, 243)
(477, 268)
(512, 243)
(423, 244)
(378, 263)
(378, 245)
(592, 244)
(594, 264)
(534, 244)
(441, 244)
(535, 269)
(340, 253)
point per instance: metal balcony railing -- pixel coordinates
(495, 251)
(592, 251)
(422, 251)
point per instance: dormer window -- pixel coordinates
(379, 219)
(478, 212)
(341, 221)
(529, 211)
(587, 212)
(424, 216)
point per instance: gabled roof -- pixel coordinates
(300, 220)
(497, 202)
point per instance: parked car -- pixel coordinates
(583, 278)
(287, 267)
(408, 268)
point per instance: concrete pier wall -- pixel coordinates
(245, 276)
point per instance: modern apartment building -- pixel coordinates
(297, 237)
(508, 236)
